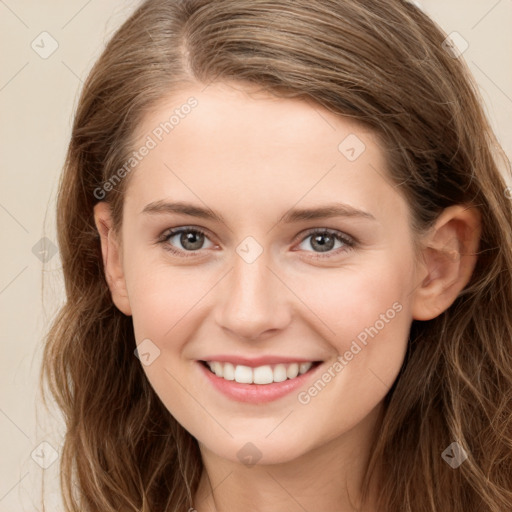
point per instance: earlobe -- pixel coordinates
(112, 257)
(447, 261)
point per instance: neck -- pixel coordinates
(327, 477)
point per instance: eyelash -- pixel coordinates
(348, 241)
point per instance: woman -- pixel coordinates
(288, 261)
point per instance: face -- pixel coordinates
(262, 237)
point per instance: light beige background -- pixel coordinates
(37, 99)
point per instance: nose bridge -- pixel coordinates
(252, 302)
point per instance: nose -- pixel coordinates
(254, 303)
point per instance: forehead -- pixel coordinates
(249, 146)
(242, 109)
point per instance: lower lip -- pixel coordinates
(256, 393)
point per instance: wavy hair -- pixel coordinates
(382, 63)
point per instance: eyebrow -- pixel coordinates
(294, 215)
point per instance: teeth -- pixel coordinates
(228, 372)
(260, 375)
(218, 368)
(280, 373)
(263, 375)
(243, 374)
(304, 367)
(293, 371)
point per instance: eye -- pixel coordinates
(185, 239)
(327, 241)
(188, 241)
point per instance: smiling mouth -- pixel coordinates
(265, 374)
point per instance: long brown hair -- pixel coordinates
(382, 63)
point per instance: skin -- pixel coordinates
(251, 158)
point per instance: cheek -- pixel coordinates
(366, 318)
(354, 299)
(370, 319)
(161, 298)
(373, 306)
(167, 309)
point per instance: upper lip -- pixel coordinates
(254, 362)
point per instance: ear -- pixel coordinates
(112, 257)
(447, 261)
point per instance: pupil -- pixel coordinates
(325, 242)
(191, 240)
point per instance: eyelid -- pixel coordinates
(178, 229)
(166, 235)
(349, 242)
(312, 231)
